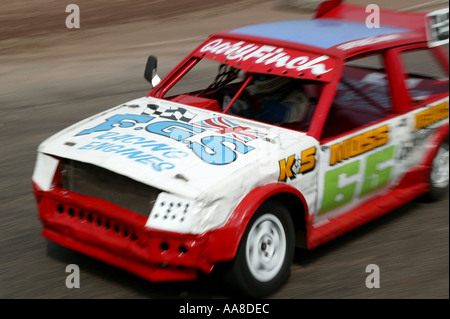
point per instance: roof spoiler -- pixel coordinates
(434, 24)
(326, 6)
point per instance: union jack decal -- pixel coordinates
(229, 129)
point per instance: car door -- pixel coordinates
(426, 84)
(366, 124)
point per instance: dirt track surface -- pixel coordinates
(51, 77)
(30, 18)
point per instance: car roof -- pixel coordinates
(321, 33)
(340, 32)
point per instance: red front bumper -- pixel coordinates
(119, 237)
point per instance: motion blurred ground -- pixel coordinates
(44, 20)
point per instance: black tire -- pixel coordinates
(439, 174)
(269, 240)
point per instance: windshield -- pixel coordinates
(272, 99)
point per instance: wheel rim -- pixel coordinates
(440, 169)
(266, 247)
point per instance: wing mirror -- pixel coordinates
(150, 71)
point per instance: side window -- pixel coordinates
(362, 97)
(425, 77)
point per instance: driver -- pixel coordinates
(283, 100)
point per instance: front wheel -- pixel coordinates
(263, 261)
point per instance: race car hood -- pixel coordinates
(177, 148)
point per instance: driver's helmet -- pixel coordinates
(267, 84)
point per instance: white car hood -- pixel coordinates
(177, 148)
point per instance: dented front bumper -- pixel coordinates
(119, 237)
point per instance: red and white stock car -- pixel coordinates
(186, 178)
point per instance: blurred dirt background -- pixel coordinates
(51, 77)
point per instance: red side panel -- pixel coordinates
(413, 185)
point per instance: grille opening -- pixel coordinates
(164, 246)
(124, 231)
(94, 181)
(182, 249)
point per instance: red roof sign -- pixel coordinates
(256, 57)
